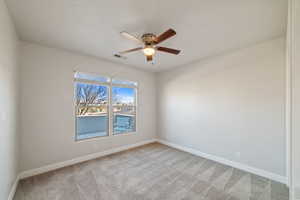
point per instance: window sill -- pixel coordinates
(125, 133)
(96, 135)
(91, 135)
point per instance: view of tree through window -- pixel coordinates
(91, 110)
(94, 102)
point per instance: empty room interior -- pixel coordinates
(150, 100)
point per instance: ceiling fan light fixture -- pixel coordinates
(150, 42)
(149, 51)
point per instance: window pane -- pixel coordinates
(124, 110)
(122, 82)
(91, 110)
(123, 123)
(91, 77)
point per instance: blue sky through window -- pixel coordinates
(123, 95)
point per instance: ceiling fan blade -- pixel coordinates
(168, 50)
(149, 58)
(169, 33)
(130, 37)
(130, 50)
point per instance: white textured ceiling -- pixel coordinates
(204, 27)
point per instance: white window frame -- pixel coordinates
(109, 84)
(135, 103)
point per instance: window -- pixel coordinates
(125, 83)
(90, 77)
(124, 109)
(95, 97)
(92, 111)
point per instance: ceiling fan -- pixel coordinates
(150, 42)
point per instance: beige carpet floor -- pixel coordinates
(153, 171)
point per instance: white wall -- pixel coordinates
(229, 105)
(8, 102)
(296, 100)
(47, 120)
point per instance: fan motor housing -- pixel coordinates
(149, 39)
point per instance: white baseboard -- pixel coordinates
(237, 165)
(14, 188)
(51, 167)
